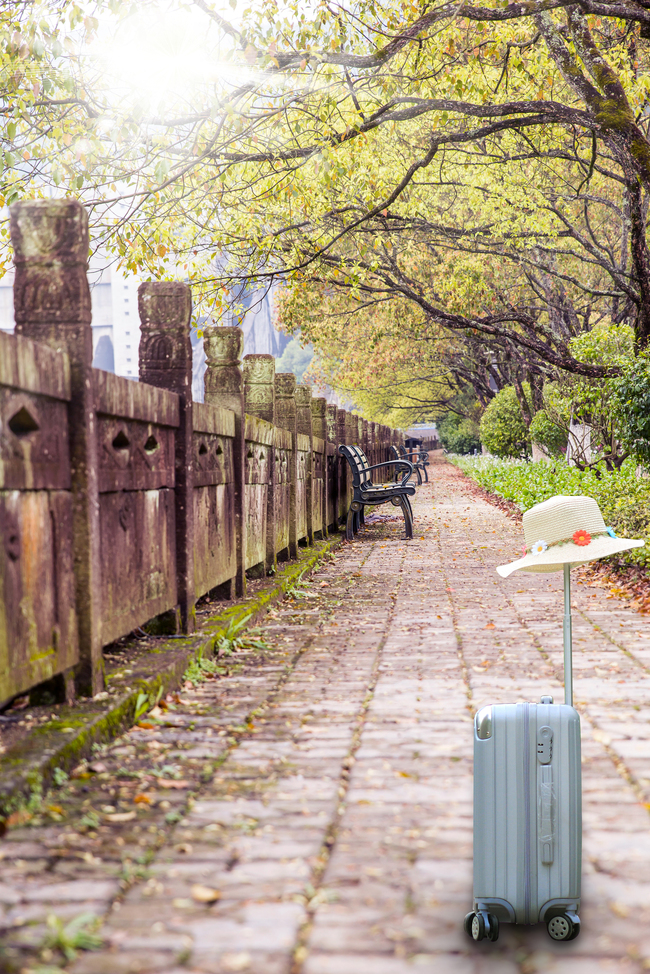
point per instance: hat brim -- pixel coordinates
(554, 559)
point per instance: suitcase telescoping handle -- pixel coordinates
(568, 646)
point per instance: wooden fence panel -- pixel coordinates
(283, 451)
(136, 429)
(259, 438)
(303, 458)
(38, 624)
(215, 553)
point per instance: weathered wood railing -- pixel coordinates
(123, 502)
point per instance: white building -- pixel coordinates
(115, 324)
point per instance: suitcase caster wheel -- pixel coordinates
(482, 926)
(478, 927)
(493, 932)
(563, 927)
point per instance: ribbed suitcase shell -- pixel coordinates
(527, 814)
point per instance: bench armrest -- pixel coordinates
(402, 462)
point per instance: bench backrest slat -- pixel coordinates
(358, 462)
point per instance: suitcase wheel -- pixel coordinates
(564, 927)
(482, 926)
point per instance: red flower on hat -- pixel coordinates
(581, 538)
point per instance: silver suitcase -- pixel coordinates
(527, 818)
(528, 812)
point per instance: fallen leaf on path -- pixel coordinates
(205, 894)
(142, 800)
(120, 817)
(20, 817)
(144, 725)
(172, 783)
(619, 909)
(490, 625)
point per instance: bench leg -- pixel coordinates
(349, 525)
(426, 475)
(408, 517)
(356, 523)
(417, 470)
(362, 516)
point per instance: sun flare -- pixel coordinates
(160, 59)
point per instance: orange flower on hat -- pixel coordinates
(581, 538)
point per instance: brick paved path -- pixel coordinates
(330, 775)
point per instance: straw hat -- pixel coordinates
(565, 530)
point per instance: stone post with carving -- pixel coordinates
(343, 468)
(331, 414)
(52, 305)
(224, 386)
(319, 429)
(259, 390)
(285, 414)
(165, 361)
(303, 425)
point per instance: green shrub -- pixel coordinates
(632, 395)
(502, 428)
(458, 434)
(546, 433)
(622, 495)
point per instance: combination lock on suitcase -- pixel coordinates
(527, 819)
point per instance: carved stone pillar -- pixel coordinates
(259, 390)
(319, 429)
(165, 361)
(343, 469)
(285, 413)
(259, 384)
(351, 429)
(224, 386)
(303, 425)
(52, 305)
(331, 416)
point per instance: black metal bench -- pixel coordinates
(419, 459)
(366, 493)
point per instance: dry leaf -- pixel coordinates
(171, 783)
(205, 894)
(98, 767)
(120, 817)
(620, 909)
(18, 818)
(142, 800)
(145, 725)
(490, 625)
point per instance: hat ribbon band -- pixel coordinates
(581, 538)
